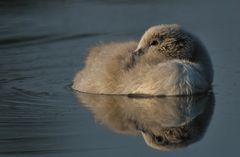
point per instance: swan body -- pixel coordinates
(166, 61)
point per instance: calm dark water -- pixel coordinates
(43, 44)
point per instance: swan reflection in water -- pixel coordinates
(166, 123)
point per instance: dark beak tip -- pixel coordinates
(137, 52)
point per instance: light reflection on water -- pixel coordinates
(43, 44)
(166, 123)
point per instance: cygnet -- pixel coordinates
(167, 61)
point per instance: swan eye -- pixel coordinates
(154, 43)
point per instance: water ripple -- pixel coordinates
(17, 41)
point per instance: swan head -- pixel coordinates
(164, 42)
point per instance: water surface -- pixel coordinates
(43, 44)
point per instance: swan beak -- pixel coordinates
(138, 52)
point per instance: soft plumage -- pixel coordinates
(166, 61)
